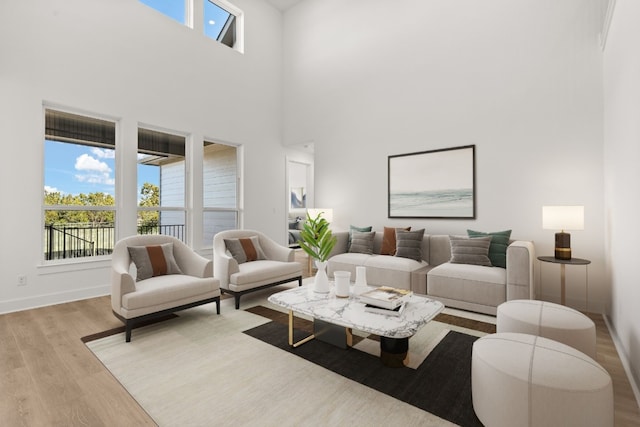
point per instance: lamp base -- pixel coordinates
(563, 246)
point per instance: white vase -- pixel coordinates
(321, 281)
(361, 280)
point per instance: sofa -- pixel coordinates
(479, 288)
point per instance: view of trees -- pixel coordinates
(150, 196)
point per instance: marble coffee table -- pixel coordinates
(335, 318)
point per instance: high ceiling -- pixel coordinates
(284, 4)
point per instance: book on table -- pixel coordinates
(386, 297)
(386, 311)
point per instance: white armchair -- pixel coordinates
(275, 264)
(134, 301)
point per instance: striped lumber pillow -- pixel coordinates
(153, 260)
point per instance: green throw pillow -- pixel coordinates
(498, 247)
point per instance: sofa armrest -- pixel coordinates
(520, 261)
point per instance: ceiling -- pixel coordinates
(284, 4)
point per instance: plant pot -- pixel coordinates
(321, 281)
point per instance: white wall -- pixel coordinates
(522, 80)
(622, 175)
(126, 61)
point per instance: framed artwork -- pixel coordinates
(433, 184)
(298, 198)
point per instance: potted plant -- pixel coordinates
(318, 242)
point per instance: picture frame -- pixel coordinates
(298, 198)
(433, 184)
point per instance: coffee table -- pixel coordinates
(335, 319)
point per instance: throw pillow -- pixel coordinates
(362, 242)
(389, 240)
(353, 228)
(245, 249)
(473, 250)
(153, 260)
(409, 244)
(498, 247)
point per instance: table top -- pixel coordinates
(574, 261)
(349, 312)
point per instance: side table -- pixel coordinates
(563, 263)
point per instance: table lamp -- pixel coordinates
(563, 218)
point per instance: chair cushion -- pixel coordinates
(245, 249)
(161, 290)
(264, 271)
(153, 260)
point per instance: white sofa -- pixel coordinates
(469, 287)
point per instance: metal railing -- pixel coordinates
(62, 241)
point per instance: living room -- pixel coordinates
(544, 90)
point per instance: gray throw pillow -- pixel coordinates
(245, 249)
(362, 242)
(153, 260)
(498, 247)
(473, 250)
(409, 244)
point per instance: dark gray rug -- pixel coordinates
(441, 385)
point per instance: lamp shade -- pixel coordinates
(326, 213)
(563, 217)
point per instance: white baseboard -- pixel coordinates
(21, 304)
(623, 359)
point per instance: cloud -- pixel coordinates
(49, 189)
(93, 170)
(103, 153)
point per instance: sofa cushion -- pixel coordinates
(389, 240)
(153, 260)
(353, 228)
(409, 244)
(498, 247)
(470, 250)
(245, 249)
(469, 283)
(362, 242)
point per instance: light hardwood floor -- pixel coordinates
(49, 378)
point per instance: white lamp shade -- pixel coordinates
(326, 213)
(563, 217)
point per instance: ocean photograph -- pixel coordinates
(433, 184)
(434, 203)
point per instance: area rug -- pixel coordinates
(199, 369)
(441, 384)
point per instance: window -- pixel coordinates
(79, 184)
(220, 194)
(221, 21)
(161, 183)
(219, 24)
(175, 9)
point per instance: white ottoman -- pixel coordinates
(526, 380)
(549, 320)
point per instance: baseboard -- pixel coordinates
(623, 358)
(20, 304)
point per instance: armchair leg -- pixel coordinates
(300, 281)
(237, 297)
(218, 306)
(128, 327)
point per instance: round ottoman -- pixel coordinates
(549, 320)
(526, 380)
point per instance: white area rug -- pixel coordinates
(200, 370)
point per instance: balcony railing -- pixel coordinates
(63, 241)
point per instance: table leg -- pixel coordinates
(394, 351)
(563, 283)
(302, 341)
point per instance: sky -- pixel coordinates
(74, 169)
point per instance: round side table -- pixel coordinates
(563, 263)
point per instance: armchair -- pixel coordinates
(134, 301)
(274, 264)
